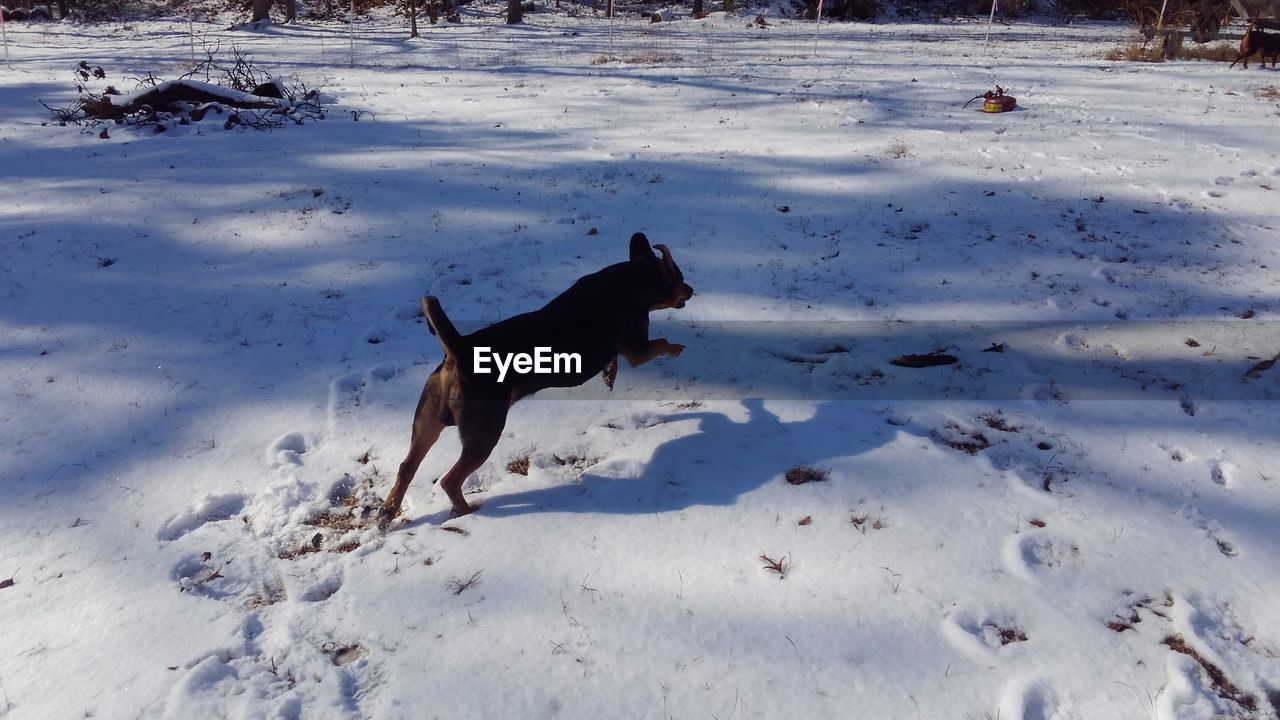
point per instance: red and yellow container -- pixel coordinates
(993, 103)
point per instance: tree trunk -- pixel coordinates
(413, 18)
(515, 13)
(697, 8)
(63, 10)
(291, 11)
(261, 10)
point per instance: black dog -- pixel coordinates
(604, 315)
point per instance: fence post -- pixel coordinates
(815, 29)
(991, 20)
(5, 33)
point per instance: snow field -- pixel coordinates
(211, 353)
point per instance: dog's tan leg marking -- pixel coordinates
(652, 350)
(477, 445)
(426, 430)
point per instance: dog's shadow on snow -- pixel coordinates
(716, 465)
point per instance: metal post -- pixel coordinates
(991, 20)
(5, 33)
(352, 26)
(191, 29)
(815, 29)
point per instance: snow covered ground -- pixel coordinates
(210, 350)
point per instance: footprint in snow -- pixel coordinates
(959, 629)
(1222, 472)
(199, 575)
(213, 508)
(351, 392)
(384, 372)
(1177, 454)
(288, 449)
(322, 589)
(346, 395)
(348, 391)
(980, 638)
(349, 387)
(1028, 699)
(404, 321)
(1028, 553)
(1211, 529)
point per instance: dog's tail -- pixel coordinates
(442, 327)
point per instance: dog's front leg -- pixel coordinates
(650, 350)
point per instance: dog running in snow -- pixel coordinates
(1257, 41)
(602, 316)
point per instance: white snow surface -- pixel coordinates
(209, 338)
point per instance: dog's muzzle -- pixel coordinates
(685, 294)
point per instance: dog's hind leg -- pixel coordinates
(479, 437)
(426, 430)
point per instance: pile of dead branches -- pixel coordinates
(236, 92)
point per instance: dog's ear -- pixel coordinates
(640, 247)
(668, 264)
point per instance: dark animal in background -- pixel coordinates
(603, 315)
(1257, 41)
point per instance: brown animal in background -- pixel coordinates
(1256, 41)
(602, 316)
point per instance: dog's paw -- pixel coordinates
(674, 349)
(610, 373)
(385, 516)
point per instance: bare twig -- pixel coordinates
(459, 586)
